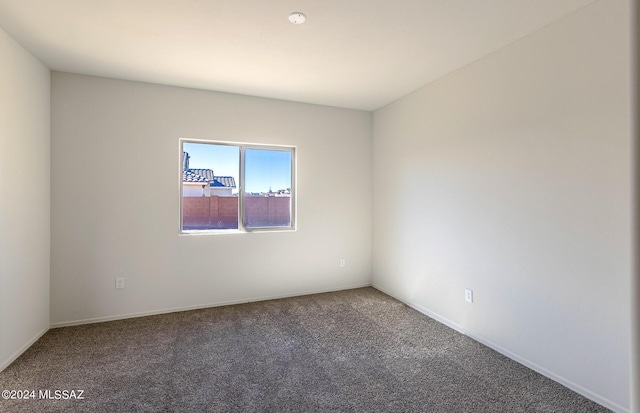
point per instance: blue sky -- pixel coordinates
(264, 168)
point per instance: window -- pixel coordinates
(238, 187)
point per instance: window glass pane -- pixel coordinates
(210, 175)
(267, 179)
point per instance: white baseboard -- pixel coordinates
(201, 306)
(18, 353)
(553, 376)
(533, 366)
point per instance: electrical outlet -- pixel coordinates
(468, 295)
(343, 263)
(120, 282)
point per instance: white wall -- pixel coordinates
(220, 191)
(196, 190)
(109, 135)
(512, 177)
(24, 199)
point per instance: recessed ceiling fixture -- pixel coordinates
(297, 18)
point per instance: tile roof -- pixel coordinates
(188, 176)
(223, 181)
(206, 176)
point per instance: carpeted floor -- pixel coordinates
(350, 351)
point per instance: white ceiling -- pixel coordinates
(358, 54)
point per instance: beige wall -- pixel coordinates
(24, 199)
(512, 177)
(635, 294)
(115, 137)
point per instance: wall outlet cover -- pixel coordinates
(120, 283)
(468, 295)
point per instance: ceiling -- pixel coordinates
(360, 54)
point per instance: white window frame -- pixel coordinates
(242, 228)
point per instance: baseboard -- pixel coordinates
(201, 306)
(553, 376)
(14, 356)
(533, 366)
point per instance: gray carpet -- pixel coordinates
(350, 351)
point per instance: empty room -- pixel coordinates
(348, 206)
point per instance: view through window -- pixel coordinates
(236, 187)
